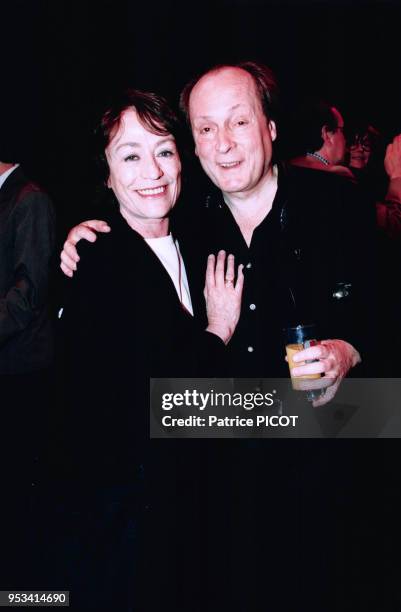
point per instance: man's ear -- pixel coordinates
(273, 130)
(196, 151)
(326, 134)
(108, 183)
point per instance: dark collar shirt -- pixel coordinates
(299, 258)
(257, 347)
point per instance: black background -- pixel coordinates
(61, 59)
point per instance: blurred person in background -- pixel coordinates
(27, 240)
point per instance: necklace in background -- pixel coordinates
(320, 158)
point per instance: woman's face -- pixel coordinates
(359, 151)
(145, 171)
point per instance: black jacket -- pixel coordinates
(122, 323)
(27, 238)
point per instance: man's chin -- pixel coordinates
(230, 185)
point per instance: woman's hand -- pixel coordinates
(86, 230)
(223, 295)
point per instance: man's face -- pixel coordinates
(145, 170)
(233, 139)
(338, 139)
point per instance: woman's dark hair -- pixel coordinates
(361, 131)
(153, 112)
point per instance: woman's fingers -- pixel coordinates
(210, 279)
(220, 268)
(239, 285)
(230, 271)
(218, 274)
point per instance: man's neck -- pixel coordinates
(249, 208)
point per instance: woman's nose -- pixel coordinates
(151, 169)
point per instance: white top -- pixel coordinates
(169, 254)
(6, 174)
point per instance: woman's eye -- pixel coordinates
(205, 130)
(131, 157)
(166, 153)
(241, 122)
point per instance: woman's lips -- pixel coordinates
(152, 191)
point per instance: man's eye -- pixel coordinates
(241, 122)
(131, 157)
(205, 130)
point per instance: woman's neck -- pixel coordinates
(147, 228)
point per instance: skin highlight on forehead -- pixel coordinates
(219, 88)
(130, 132)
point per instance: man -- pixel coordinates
(27, 230)
(231, 112)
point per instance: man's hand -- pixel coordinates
(327, 387)
(86, 230)
(223, 295)
(335, 359)
(392, 160)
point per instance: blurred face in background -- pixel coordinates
(359, 151)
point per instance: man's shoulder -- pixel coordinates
(20, 192)
(19, 184)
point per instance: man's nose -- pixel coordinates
(151, 169)
(223, 141)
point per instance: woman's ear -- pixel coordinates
(273, 130)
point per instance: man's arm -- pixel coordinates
(85, 230)
(389, 212)
(32, 250)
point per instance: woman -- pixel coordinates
(365, 148)
(130, 304)
(129, 316)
